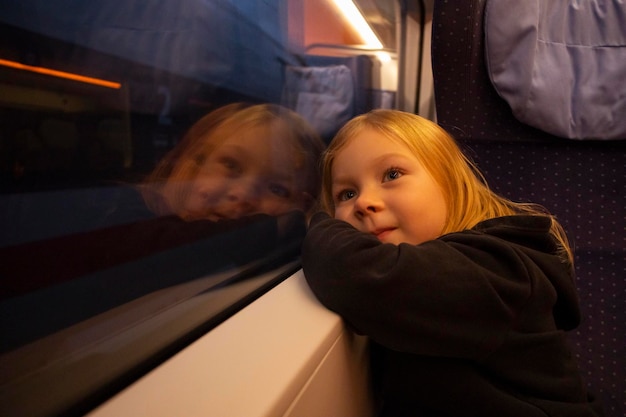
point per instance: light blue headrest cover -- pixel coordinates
(561, 65)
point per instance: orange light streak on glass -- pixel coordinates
(60, 74)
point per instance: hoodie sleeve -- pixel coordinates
(455, 296)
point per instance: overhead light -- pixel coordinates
(60, 74)
(356, 19)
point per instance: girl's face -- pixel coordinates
(253, 171)
(380, 187)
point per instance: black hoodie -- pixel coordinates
(470, 324)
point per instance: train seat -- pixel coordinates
(580, 180)
(330, 90)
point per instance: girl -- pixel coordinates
(465, 294)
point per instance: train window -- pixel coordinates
(157, 165)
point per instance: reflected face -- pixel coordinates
(380, 187)
(252, 171)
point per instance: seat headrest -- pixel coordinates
(560, 65)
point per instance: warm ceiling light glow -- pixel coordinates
(60, 74)
(354, 16)
(383, 56)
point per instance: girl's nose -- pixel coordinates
(368, 202)
(245, 191)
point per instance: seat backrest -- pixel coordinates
(330, 90)
(583, 182)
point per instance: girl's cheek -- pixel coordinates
(210, 186)
(276, 208)
(341, 213)
(201, 194)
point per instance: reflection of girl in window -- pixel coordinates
(236, 161)
(237, 186)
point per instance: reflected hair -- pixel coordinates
(468, 198)
(166, 188)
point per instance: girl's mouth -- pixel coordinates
(381, 234)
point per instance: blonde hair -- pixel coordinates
(166, 188)
(468, 198)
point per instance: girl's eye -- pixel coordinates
(346, 195)
(280, 190)
(392, 174)
(231, 165)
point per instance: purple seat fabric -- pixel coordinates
(582, 182)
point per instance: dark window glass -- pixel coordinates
(151, 185)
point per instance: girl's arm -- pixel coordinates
(454, 296)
